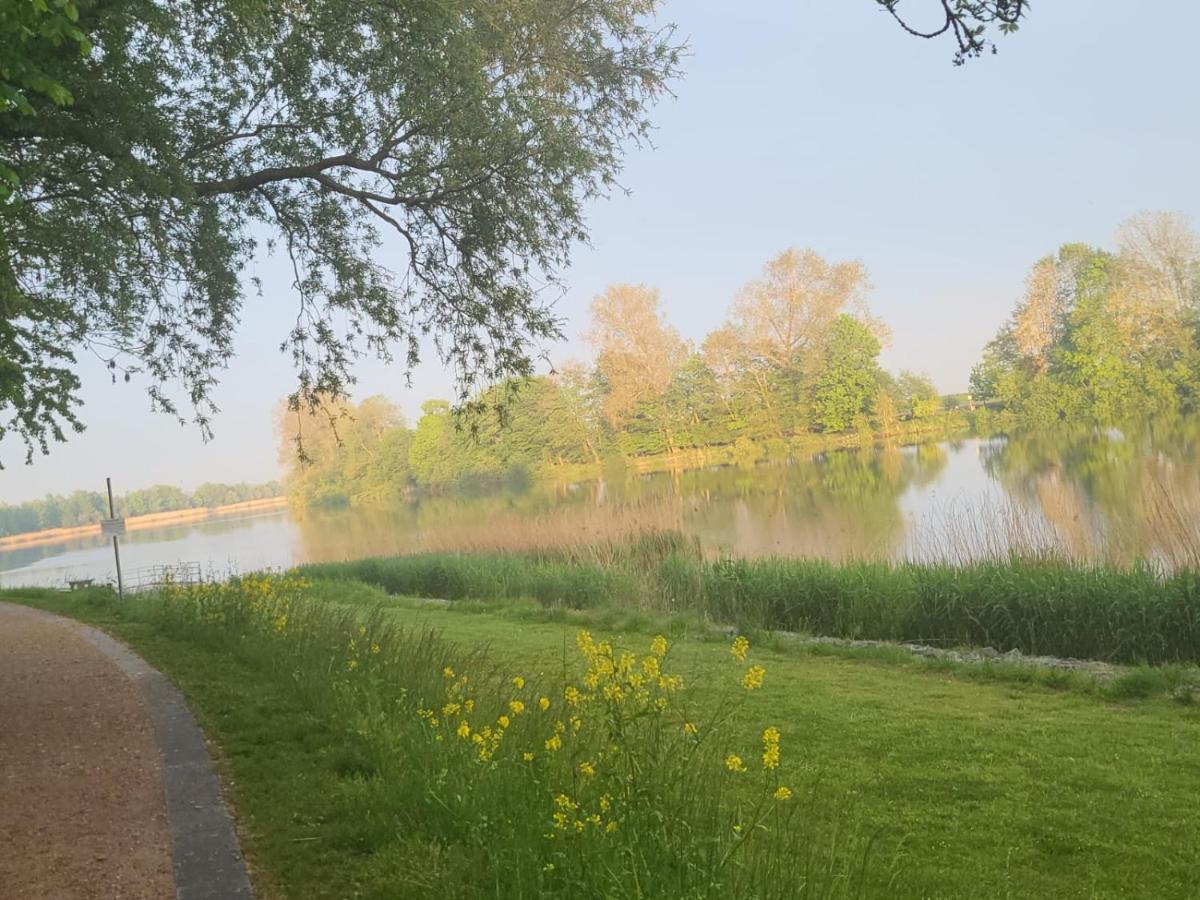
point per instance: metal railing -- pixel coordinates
(152, 578)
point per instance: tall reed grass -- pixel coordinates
(1044, 606)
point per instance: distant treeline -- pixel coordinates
(89, 507)
(796, 363)
(1103, 337)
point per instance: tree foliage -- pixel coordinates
(967, 21)
(423, 167)
(797, 359)
(1103, 336)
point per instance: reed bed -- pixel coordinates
(1139, 614)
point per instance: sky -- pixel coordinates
(806, 123)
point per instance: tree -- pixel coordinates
(885, 413)
(847, 385)
(785, 316)
(919, 397)
(1038, 323)
(967, 21)
(468, 133)
(1103, 336)
(1162, 252)
(637, 353)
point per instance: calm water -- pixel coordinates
(1093, 495)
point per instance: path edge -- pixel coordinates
(205, 852)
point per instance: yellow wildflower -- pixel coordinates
(606, 803)
(734, 763)
(690, 728)
(447, 672)
(740, 648)
(770, 757)
(469, 705)
(554, 742)
(352, 665)
(782, 793)
(375, 649)
(610, 827)
(518, 682)
(503, 721)
(464, 730)
(450, 709)
(572, 695)
(658, 646)
(562, 801)
(527, 756)
(587, 768)
(516, 707)
(544, 704)
(281, 623)
(754, 678)
(576, 723)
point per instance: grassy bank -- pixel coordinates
(1037, 607)
(342, 788)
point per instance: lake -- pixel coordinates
(1094, 495)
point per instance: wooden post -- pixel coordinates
(116, 549)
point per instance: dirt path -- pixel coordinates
(82, 812)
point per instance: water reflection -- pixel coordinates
(1095, 495)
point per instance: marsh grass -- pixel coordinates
(607, 779)
(1039, 606)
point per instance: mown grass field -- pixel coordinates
(963, 787)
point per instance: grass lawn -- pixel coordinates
(968, 788)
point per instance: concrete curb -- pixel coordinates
(204, 846)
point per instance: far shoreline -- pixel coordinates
(150, 520)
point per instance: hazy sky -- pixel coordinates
(799, 123)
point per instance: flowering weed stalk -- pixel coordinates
(617, 778)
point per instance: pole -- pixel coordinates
(116, 550)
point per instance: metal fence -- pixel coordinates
(152, 578)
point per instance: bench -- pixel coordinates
(76, 584)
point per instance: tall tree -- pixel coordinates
(460, 137)
(1038, 323)
(637, 352)
(847, 385)
(1162, 251)
(786, 315)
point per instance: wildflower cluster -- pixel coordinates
(753, 680)
(612, 758)
(260, 601)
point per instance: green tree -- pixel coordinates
(466, 133)
(919, 397)
(847, 384)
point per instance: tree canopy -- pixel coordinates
(423, 166)
(795, 367)
(1103, 336)
(967, 21)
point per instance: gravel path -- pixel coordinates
(82, 813)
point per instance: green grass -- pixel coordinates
(967, 788)
(1135, 615)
